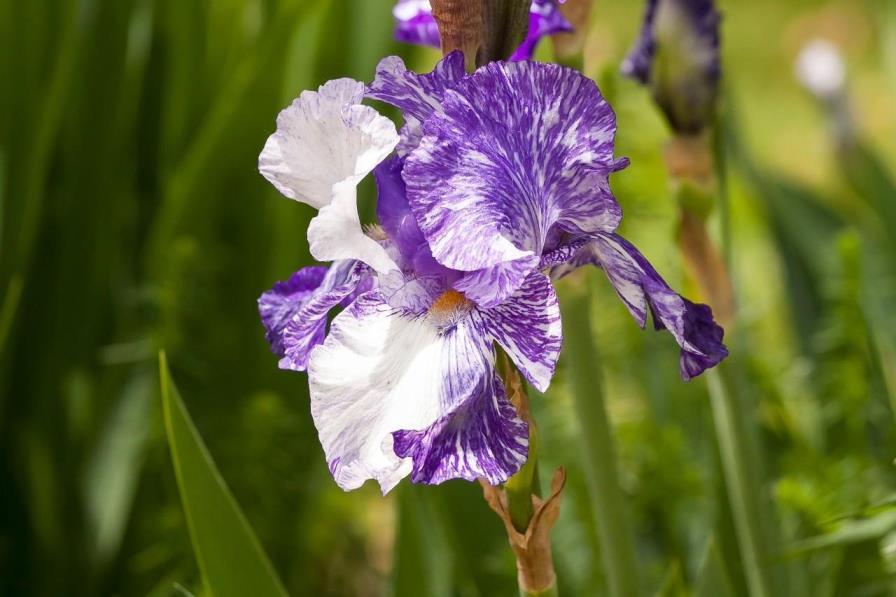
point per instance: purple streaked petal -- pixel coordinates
(417, 96)
(493, 285)
(519, 148)
(410, 294)
(545, 19)
(414, 23)
(482, 437)
(563, 254)
(308, 325)
(640, 287)
(279, 304)
(528, 327)
(382, 370)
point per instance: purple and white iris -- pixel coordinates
(497, 180)
(415, 24)
(677, 57)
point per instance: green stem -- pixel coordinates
(740, 460)
(598, 452)
(522, 486)
(549, 592)
(746, 507)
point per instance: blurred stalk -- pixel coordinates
(729, 418)
(696, 165)
(598, 451)
(27, 176)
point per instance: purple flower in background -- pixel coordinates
(415, 24)
(677, 57)
(498, 178)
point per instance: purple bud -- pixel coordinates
(677, 57)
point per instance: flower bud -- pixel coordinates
(677, 57)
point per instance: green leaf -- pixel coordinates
(230, 557)
(598, 449)
(849, 533)
(673, 584)
(423, 558)
(739, 464)
(713, 580)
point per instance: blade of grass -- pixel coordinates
(232, 562)
(738, 453)
(745, 501)
(35, 161)
(713, 580)
(200, 158)
(598, 451)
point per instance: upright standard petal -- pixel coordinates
(640, 287)
(336, 233)
(382, 371)
(279, 305)
(324, 138)
(417, 96)
(517, 149)
(325, 143)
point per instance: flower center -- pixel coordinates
(449, 302)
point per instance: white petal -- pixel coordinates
(380, 371)
(325, 138)
(336, 233)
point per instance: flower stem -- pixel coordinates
(527, 517)
(522, 486)
(598, 452)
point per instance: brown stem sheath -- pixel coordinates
(484, 30)
(534, 562)
(706, 266)
(462, 26)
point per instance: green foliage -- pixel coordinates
(132, 219)
(232, 561)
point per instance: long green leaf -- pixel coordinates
(230, 557)
(738, 468)
(598, 451)
(713, 580)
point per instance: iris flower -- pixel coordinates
(497, 181)
(415, 24)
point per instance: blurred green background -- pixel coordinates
(133, 219)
